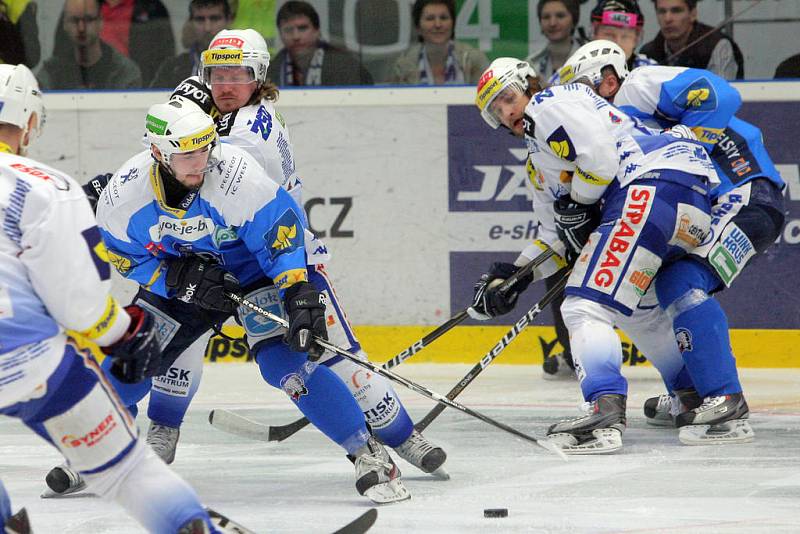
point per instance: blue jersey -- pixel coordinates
(246, 223)
(706, 103)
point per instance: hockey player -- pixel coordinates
(612, 203)
(190, 221)
(241, 92)
(747, 218)
(54, 305)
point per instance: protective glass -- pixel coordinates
(194, 162)
(500, 103)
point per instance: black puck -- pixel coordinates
(495, 512)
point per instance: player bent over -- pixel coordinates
(747, 216)
(191, 220)
(610, 198)
(54, 302)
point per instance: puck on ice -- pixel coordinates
(495, 512)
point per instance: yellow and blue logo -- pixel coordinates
(285, 236)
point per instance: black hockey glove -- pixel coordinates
(575, 222)
(137, 355)
(94, 188)
(488, 301)
(193, 89)
(305, 307)
(197, 281)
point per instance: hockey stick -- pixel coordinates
(236, 424)
(495, 351)
(422, 390)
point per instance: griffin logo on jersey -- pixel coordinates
(120, 262)
(285, 236)
(699, 96)
(561, 145)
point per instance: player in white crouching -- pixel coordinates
(55, 306)
(747, 211)
(611, 198)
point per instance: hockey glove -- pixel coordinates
(305, 307)
(197, 281)
(193, 89)
(488, 301)
(94, 188)
(137, 355)
(575, 222)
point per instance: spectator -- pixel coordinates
(685, 42)
(19, 34)
(437, 59)
(308, 60)
(89, 63)
(207, 18)
(258, 15)
(621, 21)
(130, 27)
(789, 68)
(558, 20)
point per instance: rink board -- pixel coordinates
(415, 196)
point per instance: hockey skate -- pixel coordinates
(662, 410)
(721, 419)
(423, 454)
(558, 367)
(18, 523)
(163, 440)
(61, 480)
(597, 432)
(377, 476)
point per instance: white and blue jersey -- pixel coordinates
(707, 104)
(245, 222)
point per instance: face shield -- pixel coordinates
(238, 75)
(501, 104)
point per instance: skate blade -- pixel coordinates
(50, 494)
(606, 441)
(388, 492)
(659, 422)
(560, 377)
(735, 431)
(440, 473)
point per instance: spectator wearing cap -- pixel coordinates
(86, 62)
(621, 21)
(437, 58)
(684, 41)
(305, 58)
(558, 20)
(207, 18)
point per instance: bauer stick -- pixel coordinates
(280, 433)
(489, 357)
(422, 390)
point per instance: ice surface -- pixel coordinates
(306, 485)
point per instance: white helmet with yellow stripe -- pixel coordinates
(236, 48)
(20, 99)
(504, 72)
(591, 59)
(180, 127)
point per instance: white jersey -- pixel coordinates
(260, 130)
(579, 144)
(54, 275)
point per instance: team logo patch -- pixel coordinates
(98, 251)
(121, 263)
(561, 145)
(699, 96)
(684, 339)
(224, 234)
(294, 386)
(285, 236)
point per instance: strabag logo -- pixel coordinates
(191, 229)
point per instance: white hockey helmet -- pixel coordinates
(589, 61)
(503, 73)
(180, 126)
(236, 48)
(20, 98)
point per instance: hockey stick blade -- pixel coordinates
(360, 524)
(233, 423)
(422, 390)
(227, 525)
(490, 356)
(282, 432)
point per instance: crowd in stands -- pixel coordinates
(109, 44)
